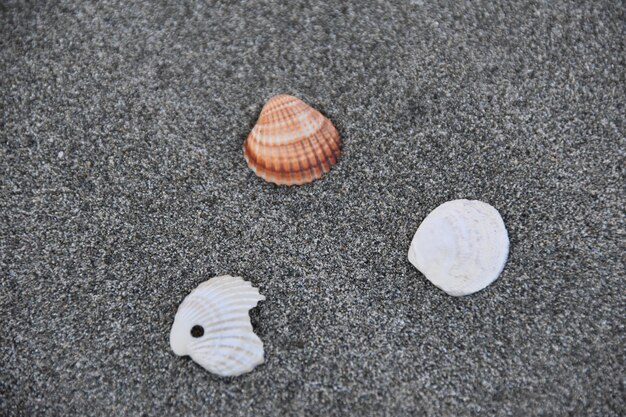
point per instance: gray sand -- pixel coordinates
(123, 186)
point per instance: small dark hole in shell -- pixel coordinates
(197, 331)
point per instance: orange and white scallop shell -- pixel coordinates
(291, 143)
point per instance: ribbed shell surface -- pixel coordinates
(291, 143)
(220, 307)
(461, 246)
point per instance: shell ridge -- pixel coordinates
(225, 285)
(225, 366)
(311, 146)
(217, 309)
(286, 139)
(215, 344)
(317, 144)
(237, 318)
(230, 341)
(228, 365)
(220, 280)
(326, 148)
(196, 309)
(297, 138)
(310, 164)
(242, 356)
(333, 139)
(301, 170)
(254, 354)
(245, 295)
(227, 329)
(283, 152)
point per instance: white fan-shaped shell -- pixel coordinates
(461, 246)
(220, 306)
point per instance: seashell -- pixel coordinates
(461, 246)
(291, 143)
(213, 327)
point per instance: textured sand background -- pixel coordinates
(123, 186)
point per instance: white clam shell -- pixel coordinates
(228, 346)
(461, 246)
